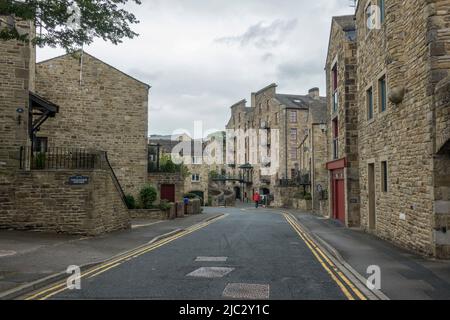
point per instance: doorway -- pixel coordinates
(371, 190)
(168, 192)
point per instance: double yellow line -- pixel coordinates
(346, 286)
(115, 262)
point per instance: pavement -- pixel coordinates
(404, 275)
(28, 257)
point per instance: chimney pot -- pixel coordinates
(314, 93)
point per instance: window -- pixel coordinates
(293, 116)
(335, 88)
(335, 139)
(268, 105)
(260, 107)
(382, 94)
(196, 160)
(276, 118)
(40, 144)
(293, 134)
(384, 176)
(382, 6)
(370, 104)
(195, 177)
(293, 154)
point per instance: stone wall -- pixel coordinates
(45, 201)
(319, 174)
(100, 108)
(156, 179)
(16, 65)
(401, 135)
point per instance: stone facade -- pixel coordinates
(410, 51)
(17, 61)
(281, 121)
(44, 200)
(157, 179)
(313, 157)
(342, 113)
(100, 108)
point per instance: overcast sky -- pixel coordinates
(202, 56)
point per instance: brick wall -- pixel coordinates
(100, 108)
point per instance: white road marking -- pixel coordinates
(7, 253)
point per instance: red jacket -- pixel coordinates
(256, 197)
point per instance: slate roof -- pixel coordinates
(298, 101)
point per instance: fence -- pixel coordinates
(59, 158)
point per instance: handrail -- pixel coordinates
(115, 180)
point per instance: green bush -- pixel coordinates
(148, 196)
(191, 196)
(130, 201)
(308, 196)
(165, 205)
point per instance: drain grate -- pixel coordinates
(247, 291)
(210, 272)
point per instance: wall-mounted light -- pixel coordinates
(19, 115)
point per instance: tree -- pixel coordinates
(69, 24)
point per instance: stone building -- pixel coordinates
(344, 199)
(401, 99)
(101, 108)
(263, 153)
(72, 190)
(200, 158)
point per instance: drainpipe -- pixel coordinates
(285, 142)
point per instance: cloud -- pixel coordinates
(261, 35)
(200, 57)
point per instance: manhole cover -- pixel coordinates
(211, 259)
(210, 272)
(7, 253)
(247, 291)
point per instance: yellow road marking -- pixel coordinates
(104, 270)
(341, 275)
(116, 262)
(318, 253)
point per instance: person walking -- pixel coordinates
(256, 199)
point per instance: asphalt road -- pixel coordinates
(256, 255)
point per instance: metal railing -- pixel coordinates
(58, 158)
(115, 180)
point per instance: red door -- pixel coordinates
(339, 200)
(168, 192)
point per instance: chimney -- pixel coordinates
(253, 102)
(314, 93)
